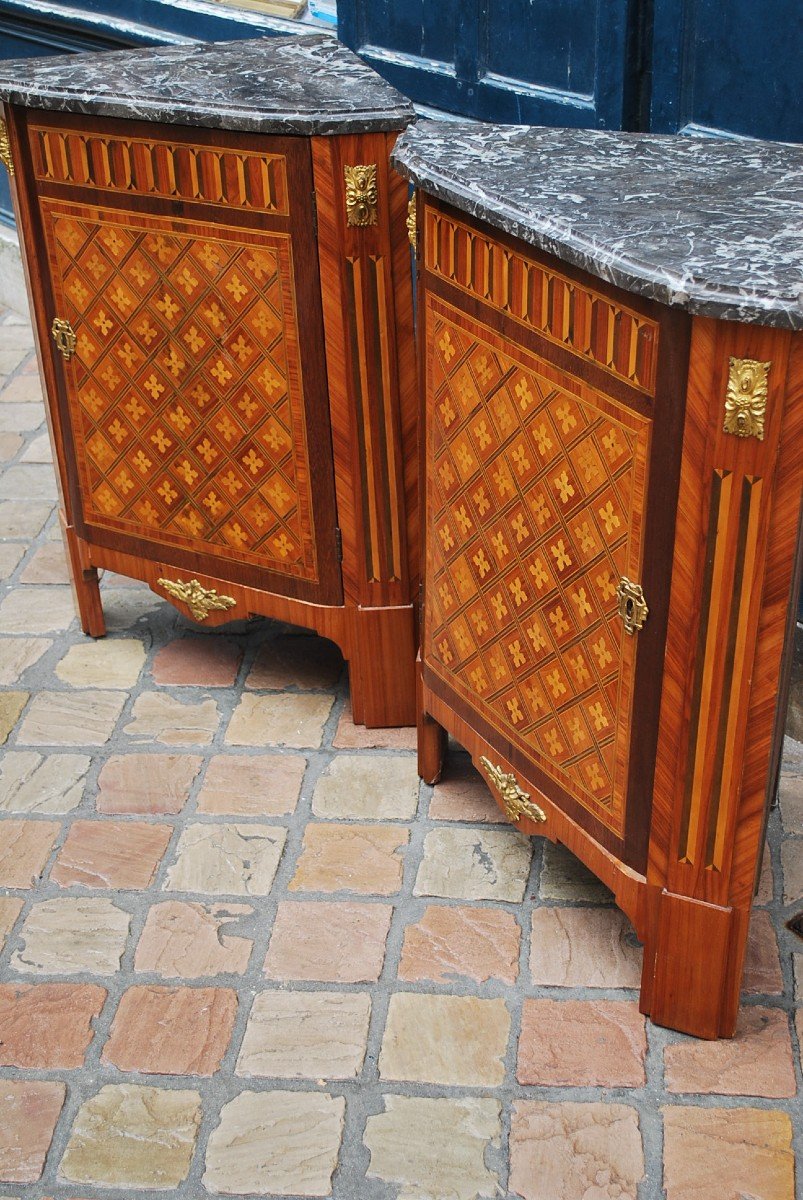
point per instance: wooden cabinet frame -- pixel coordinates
(353, 372)
(708, 723)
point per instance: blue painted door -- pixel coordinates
(728, 66)
(528, 61)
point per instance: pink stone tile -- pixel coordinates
(25, 847)
(252, 785)
(349, 736)
(30, 1110)
(47, 1025)
(146, 783)
(582, 1043)
(171, 1030)
(762, 965)
(463, 795)
(757, 1061)
(208, 661)
(727, 1154)
(189, 940)
(328, 942)
(296, 661)
(111, 854)
(451, 943)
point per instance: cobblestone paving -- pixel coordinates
(245, 952)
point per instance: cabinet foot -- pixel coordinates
(432, 739)
(693, 959)
(85, 585)
(382, 666)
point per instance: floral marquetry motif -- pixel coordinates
(185, 387)
(534, 501)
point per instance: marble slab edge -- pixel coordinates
(563, 242)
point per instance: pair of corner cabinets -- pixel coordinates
(237, 426)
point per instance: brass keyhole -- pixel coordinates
(632, 606)
(63, 335)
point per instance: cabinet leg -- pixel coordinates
(382, 666)
(85, 586)
(432, 739)
(693, 960)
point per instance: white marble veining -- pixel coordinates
(307, 84)
(711, 225)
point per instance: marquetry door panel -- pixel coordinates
(194, 420)
(536, 491)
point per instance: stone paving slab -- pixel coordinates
(243, 951)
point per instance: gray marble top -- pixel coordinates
(304, 84)
(711, 225)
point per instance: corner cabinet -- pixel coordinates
(612, 463)
(224, 318)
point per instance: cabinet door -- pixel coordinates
(549, 481)
(194, 408)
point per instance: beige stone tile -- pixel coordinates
(125, 607)
(762, 964)
(564, 877)
(253, 785)
(9, 445)
(146, 783)
(452, 1040)
(757, 1061)
(24, 389)
(227, 859)
(353, 858)
(48, 565)
(207, 661)
(10, 555)
(764, 893)
(47, 1026)
(11, 705)
(108, 663)
(19, 653)
(341, 942)
(463, 795)
(790, 795)
(85, 718)
(582, 1043)
(171, 1030)
(461, 942)
(297, 661)
(368, 787)
(10, 909)
(583, 947)
(21, 520)
(474, 864)
(431, 1149)
(727, 1153)
(131, 1136)
(792, 866)
(568, 1151)
(306, 1035)
(111, 854)
(37, 610)
(39, 450)
(33, 783)
(30, 1111)
(189, 940)
(21, 418)
(281, 720)
(25, 846)
(163, 718)
(28, 480)
(349, 736)
(71, 935)
(285, 1143)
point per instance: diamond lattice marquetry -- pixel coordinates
(532, 492)
(187, 423)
